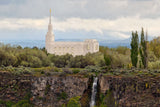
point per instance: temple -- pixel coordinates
(74, 48)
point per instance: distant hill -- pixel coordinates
(41, 43)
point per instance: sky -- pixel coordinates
(106, 20)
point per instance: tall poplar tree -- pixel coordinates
(134, 48)
(143, 49)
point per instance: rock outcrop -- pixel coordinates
(55, 91)
(130, 91)
(43, 91)
(14, 87)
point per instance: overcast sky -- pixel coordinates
(78, 19)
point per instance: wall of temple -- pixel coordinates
(74, 48)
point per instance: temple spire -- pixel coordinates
(50, 25)
(50, 17)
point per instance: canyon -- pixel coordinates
(59, 90)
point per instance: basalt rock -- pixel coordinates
(43, 91)
(55, 91)
(130, 91)
(14, 87)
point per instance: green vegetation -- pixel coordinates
(35, 58)
(47, 89)
(6, 103)
(25, 60)
(16, 70)
(143, 50)
(116, 57)
(107, 100)
(38, 58)
(74, 102)
(63, 96)
(22, 103)
(134, 48)
(109, 61)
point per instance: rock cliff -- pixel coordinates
(46, 91)
(128, 91)
(55, 91)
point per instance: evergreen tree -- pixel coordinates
(143, 49)
(146, 51)
(134, 48)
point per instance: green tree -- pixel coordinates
(107, 59)
(134, 48)
(143, 49)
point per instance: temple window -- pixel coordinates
(88, 47)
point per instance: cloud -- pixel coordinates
(118, 28)
(62, 9)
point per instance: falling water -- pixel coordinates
(94, 91)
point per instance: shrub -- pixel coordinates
(63, 96)
(154, 65)
(93, 69)
(6, 103)
(47, 89)
(22, 103)
(67, 70)
(74, 102)
(17, 70)
(75, 71)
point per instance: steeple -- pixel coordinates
(50, 24)
(50, 35)
(50, 17)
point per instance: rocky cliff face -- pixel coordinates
(55, 91)
(44, 91)
(130, 91)
(14, 87)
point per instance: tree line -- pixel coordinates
(142, 54)
(35, 57)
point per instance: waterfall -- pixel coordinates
(94, 92)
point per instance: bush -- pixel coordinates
(63, 96)
(93, 69)
(6, 103)
(17, 70)
(74, 102)
(22, 103)
(75, 71)
(67, 70)
(154, 65)
(35, 62)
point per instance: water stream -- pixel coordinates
(94, 92)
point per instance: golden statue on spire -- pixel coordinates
(50, 10)
(50, 16)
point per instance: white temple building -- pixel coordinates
(74, 48)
